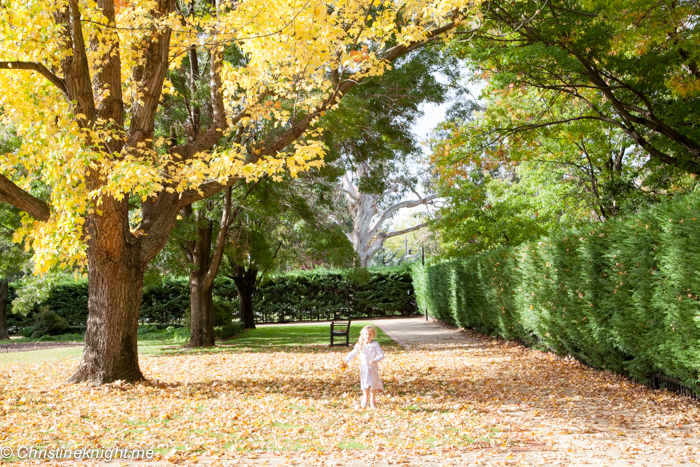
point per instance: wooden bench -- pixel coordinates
(340, 329)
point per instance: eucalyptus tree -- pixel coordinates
(370, 139)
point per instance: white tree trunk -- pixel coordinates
(367, 238)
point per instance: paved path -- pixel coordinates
(418, 331)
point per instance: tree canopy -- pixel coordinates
(82, 82)
(589, 111)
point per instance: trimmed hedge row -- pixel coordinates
(621, 295)
(300, 296)
(323, 294)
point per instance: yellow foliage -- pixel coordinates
(291, 47)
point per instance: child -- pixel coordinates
(370, 354)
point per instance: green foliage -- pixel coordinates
(298, 296)
(223, 312)
(232, 329)
(372, 124)
(584, 116)
(151, 332)
(323, 294)
(619, 295)
(48, 323)
(165, 301)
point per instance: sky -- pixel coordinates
(433, 114)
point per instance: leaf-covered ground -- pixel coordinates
(475, 402)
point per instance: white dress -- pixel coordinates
(369, 369)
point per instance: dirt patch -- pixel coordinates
(29, 346)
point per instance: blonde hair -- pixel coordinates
(360, 345)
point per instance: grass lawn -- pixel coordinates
(37, 356)
(263, 338)
(294, 335)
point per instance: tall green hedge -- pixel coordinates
(322, 294)
(620, 295)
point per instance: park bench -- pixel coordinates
(339, 329)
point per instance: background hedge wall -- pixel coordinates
(301, 296)
(621, 295)
(323, 294)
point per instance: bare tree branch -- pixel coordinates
(401, 205)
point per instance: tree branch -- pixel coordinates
(39, 68)
(220, 241)
(392, 209)
(208, 139)
(17, 197)
(404, 231)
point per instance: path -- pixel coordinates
(418, 331)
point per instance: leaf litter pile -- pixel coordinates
(479, 402)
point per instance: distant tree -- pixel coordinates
(370, 139)
(282, 227)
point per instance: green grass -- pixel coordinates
(59, 338)
(264, 337)
(259, 339)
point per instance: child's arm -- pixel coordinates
(350, 356)
(380, 354)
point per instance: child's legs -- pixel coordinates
(373, 395)
(366, 394)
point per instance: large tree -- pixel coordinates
(589, 111)
(370, 140)
(83, 81)
(626, 66)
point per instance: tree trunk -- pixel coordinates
(245, 285)
(3, 311)
(114, 299)
(201, 285)
(201, 312)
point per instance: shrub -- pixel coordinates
(621, 295)
(165, 302)
(318, 294)
(323, 294)
(223, 311)
(230, 330)
(48, 323)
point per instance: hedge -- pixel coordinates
(620, 295)
(299, 296)
(322, 294)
